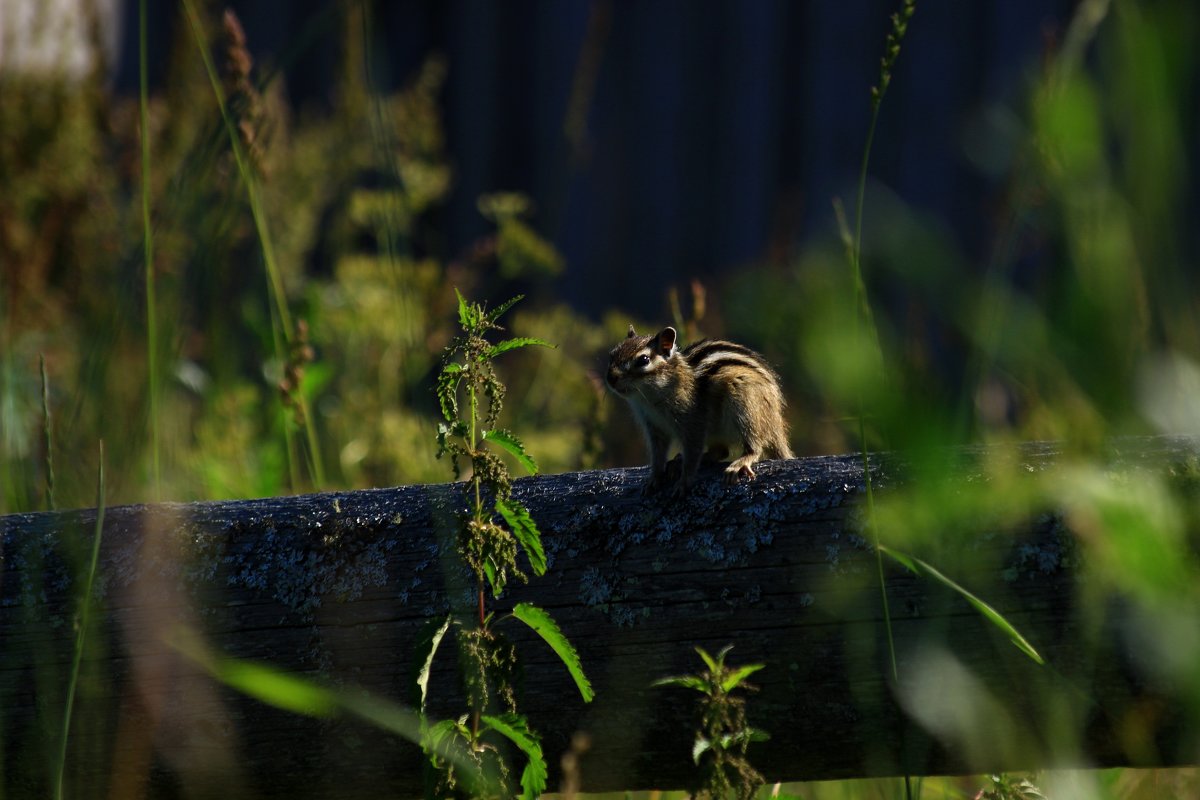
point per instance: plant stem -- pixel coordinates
(49, 439)
(473, 444)
(863, 316)
(258, 212)
(148, 246)
(84, 615)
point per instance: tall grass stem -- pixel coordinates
(863, 316)
(85, 612)
(148, 246)
(284, 325)
(47, 433)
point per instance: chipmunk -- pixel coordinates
(711, 392)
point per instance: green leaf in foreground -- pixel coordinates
(277, 689)
(513, 344)
(509, 441)
(544, 626)
(427, 644)
(525, 529)
(919, 567)
(516, 729)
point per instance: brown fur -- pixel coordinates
(712, 393)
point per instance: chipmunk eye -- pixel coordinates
(643, 360)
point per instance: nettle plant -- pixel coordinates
(490, 532)
(722, 732)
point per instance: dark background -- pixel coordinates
(716, 133)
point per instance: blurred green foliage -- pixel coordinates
(351, 198)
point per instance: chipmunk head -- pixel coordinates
(639, 362)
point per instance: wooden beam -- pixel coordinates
(336, 586)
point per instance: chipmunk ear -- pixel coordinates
(665, 341)
(632, 333)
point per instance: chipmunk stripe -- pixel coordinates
(700, 350)
(727, 354)
(712, 368)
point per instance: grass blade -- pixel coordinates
(85, 608)
(544, 626)
(298, 695)
(919, 567)
(279, 689)
(282, 324)
(148, 246)
(49, 438)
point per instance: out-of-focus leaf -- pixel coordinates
(993, 616)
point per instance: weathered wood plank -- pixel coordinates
(336, 586)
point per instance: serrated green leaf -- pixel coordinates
(449, 741)
(499, 310)
(465, 315)
(513, 344)
(993, 616)
(525, 529)
(731, 681)
(489, 571)
(543, 624)
(699, 747)
(515, 728)
(447, 393)
(438, 733)
(685, 682)
(452, 368)
(713, 664)
(509, 441)
(428, 641)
